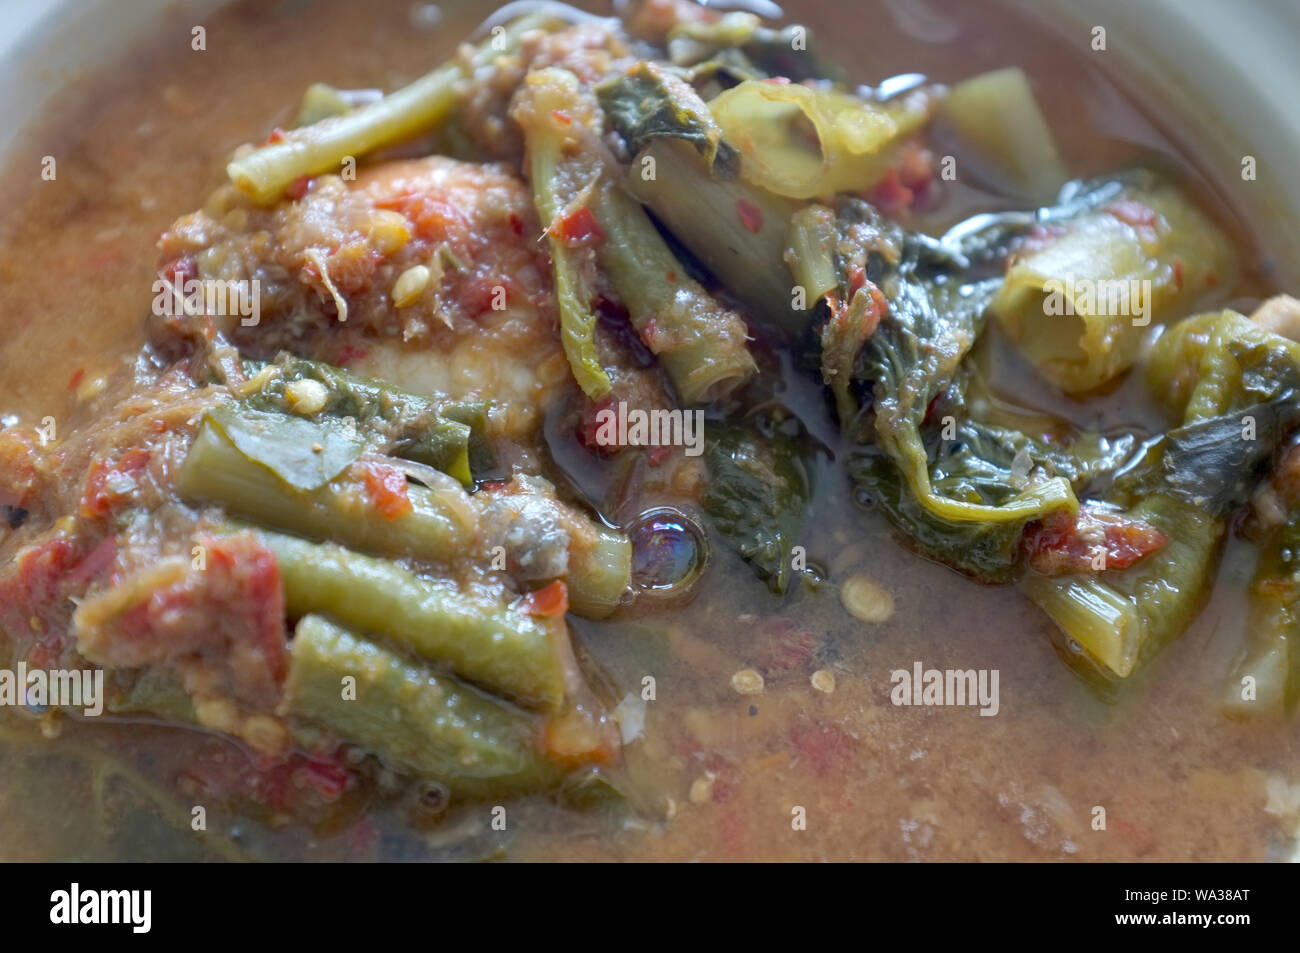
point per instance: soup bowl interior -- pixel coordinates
(1223, 72)
(1214, 79)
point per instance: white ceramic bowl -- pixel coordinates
(1229, 73)
(45, 44)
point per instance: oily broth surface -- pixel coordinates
(139, 147)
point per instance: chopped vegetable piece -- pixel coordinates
(438, 526)
(759, 490)
(648, 102)
(701, 343)
(1079, 303)
(804, 143)
(387, 487)
(265, 173)
(1010, 145)
(549, 602)
(449, 436)
(481, 640)
(562, 174)
(429, 724)
(702, 212)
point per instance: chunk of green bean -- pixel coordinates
(429, 724)
(477, 637)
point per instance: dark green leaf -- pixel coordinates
(648, 102)
(988, 551)
(1213, 463)
(759, 490)
(739, 45)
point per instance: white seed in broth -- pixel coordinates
(265, 734)
(410, 285)
(91, 388)
(747, 682)
(867, 600)
(387, 231)
(823, 680)
(702, 788)
(306, 397)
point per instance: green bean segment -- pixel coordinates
(322, 147)
(430, 724)
(434, 529)
(479, 639)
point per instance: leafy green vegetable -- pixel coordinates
(804, 143)
(700, 342)
(305, 454)
(649, 102)
(1078, 303)
(1185, 484)
(736, 231)
(761, 482)
(1006, 136)
(738, 47)
(1121, 620)
(964, 491)
(912, 358)
(1208, 463)
(981, 463)
(563, 172)
(961, 490)
(1206, 364)
(159, 692)
(838, 256)
(1089, 458)
(451, 437)
(811, 243)
(987, 551)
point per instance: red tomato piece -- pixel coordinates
(387, 488)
